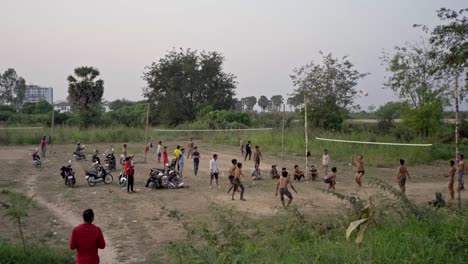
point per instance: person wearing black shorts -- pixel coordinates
(248, 150)
(282, 186)
(238, 182)
(214, 170)
(232, 169)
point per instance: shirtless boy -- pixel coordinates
(461, 173)
(402, 173)
(282, 186)
(332, 179)
(298, 174)
(360, 169)
(232, 169)
(451, 178)
(190, 147)
(238, 182)
(257, 155)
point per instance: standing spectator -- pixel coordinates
(214, 170)
(130, 172)
(242, 147)
(190, 148)
(123, 157)
(248, 151)
(257, 155)
(196, 160)
(158, 151)
(325, 161)
(181, 163)
(177, 153)
(43, 146)
(87, 239)
(165, 158)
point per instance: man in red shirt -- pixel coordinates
(87, 239)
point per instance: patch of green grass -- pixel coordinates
(291, 238)
(14, 254)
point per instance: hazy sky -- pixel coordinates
(262, 41)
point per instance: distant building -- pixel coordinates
(62, 107)
(36, 93)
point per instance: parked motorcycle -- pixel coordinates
(79, 153)
(100, 175)
(68, 175)
(122, 179)
(36, 159)
(164, 179)
(110, 162)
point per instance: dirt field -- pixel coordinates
(133, 225)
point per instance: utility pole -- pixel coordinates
(146, 131)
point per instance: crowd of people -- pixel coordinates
(83, 234)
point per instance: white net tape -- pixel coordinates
(374, 143)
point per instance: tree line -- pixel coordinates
(186, 84)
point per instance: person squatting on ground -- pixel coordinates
(402, 173)
(331, 178)
(325, 161)
(313, 174)
(43, 146)
(196, 160)
(451, 179)
(248, 150)
(360, 169)
(238, 182)
(231, 172)
(130, 172)
(190, 147)
(274, 172)
(214, 170)
(256, 174)
(298, 174)
(461, 173)
(282, 186)
(257, 155)
(87, 239)
(159, 151)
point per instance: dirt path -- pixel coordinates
(106, 255)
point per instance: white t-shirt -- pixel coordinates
(159, 149)
(214, 166)
(325, 160)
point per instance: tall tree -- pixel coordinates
(329, 88)
(263, 102)
(277, 101)
(249, 102)
(85, 94)
(411, 68)
(451, 41)
(12, 89)
(186, 81)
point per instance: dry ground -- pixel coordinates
(133, 225)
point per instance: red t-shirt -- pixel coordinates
(43, 143)
(86, 239)
(165, 159)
